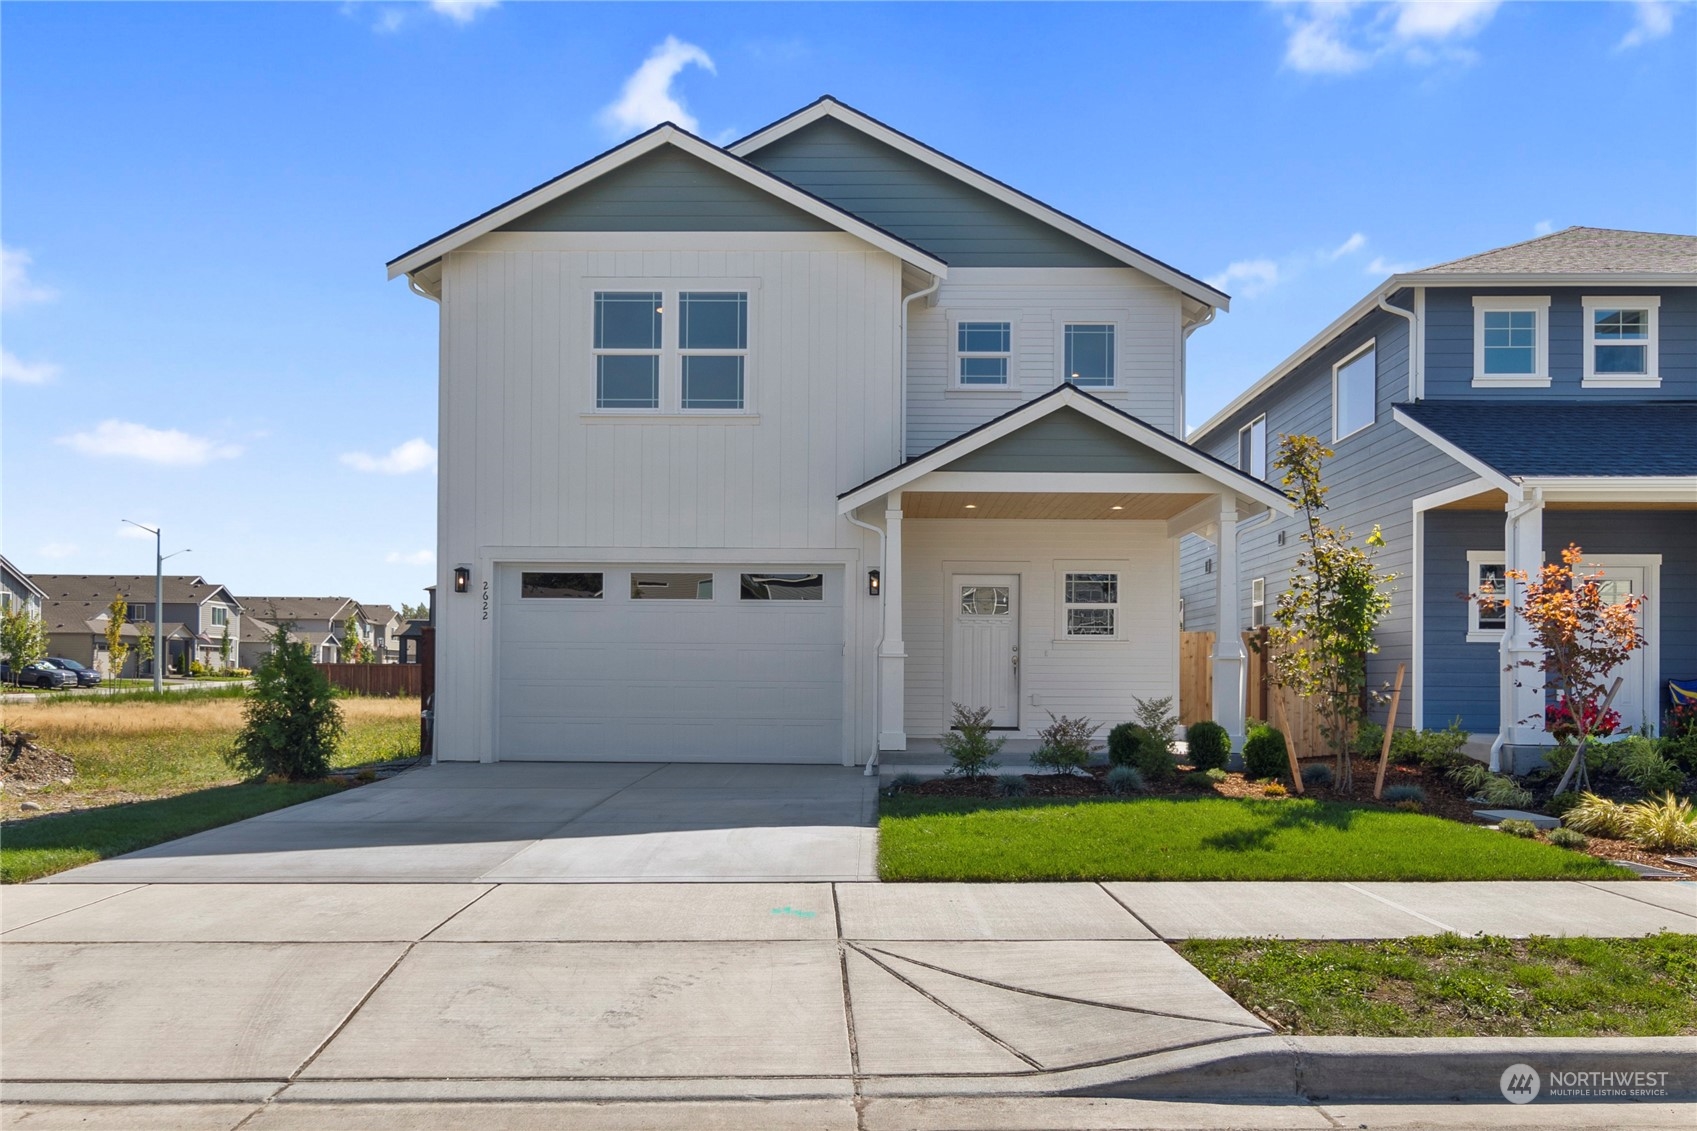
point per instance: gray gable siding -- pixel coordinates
(924, 206)
(1449, 344)
(1067, 440)
(1374, 478)
(666, 191)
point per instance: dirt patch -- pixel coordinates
(27, 765)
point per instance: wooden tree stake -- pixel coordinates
(1290, 747)
(1390, 725)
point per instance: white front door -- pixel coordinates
(1636, 700)
(984, 661)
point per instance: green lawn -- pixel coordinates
(1204, 838)
(1449, 986)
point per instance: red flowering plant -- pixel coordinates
(1559, 716)
(1682, 721)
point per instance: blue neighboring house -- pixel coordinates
(1486, 413)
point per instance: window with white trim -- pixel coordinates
(1089, 348)
(713, 344)
(643, 365)
(1252, 447)
(1355, 392)
(220, 616)
(1486, 620)
(983, 353)
(1511, 340)
(1258, 603)
(1621, 341)
(627, 343)
(1090, 605)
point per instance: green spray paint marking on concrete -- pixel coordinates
(793, 911)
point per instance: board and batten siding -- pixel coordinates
(1038, 304)
(1449, 344)
(1374, 478)
(531, 472)
(1099, 679)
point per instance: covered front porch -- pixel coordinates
(1030, 567)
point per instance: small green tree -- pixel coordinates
(292, 722)
(116, 650)
(23, 639)
(224, 647)
(144, 645)
(353, 649)
(971, 750)
(1323, 624)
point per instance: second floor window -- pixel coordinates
(627, 349)
(1252, 447)
(713, 339)
(1258, 602)
(220, 616)
(982, 350)
(1511, 340)
(641, 364)
(1090, 354)
(1620, 341)
(1355, 393)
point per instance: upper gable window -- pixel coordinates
(1252, 447)
(1621, 341)
(1355, 392)
(713, 339)
(1090, 354)
(1511, 341)
(628, 326)
(982, 353)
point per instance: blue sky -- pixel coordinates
(199, 199)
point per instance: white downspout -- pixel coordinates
(877, 684)
(1505, 688)
(1179, 426)
(901, 382)
(1415, 383)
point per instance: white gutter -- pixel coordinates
(1414, 381)
(901, 383)
(1184, 365)
(877, 684)
(412, 285)
(1530, 501)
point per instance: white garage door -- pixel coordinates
(669, 663)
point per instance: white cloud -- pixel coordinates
(1543, 228)
(1246, 277)
(16, 287)
(1340, 38)
(14, 368)
(1651, 19)
(1383, 266)
(57, 550)
(647, 98)
(1353, 244)
(403, 459)
(168, 446)
(462, 11)
(414, 558)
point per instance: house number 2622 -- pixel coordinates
(485, 600)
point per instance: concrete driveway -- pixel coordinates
(538, 823)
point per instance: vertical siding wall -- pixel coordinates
(1449, 344)
(530, 472)
(1098, 679)
(1039, 302)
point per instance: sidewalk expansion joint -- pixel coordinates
(1129, 911)
(1405, 910)
(949, 1009)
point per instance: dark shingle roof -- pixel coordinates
(1568, 438)
(137, 588)
(298, 609)
(1582, 251)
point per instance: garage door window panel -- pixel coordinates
(560, 586)
(671, 586)
(783, 587)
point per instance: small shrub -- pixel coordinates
(1011, 785)
(1436, 749)
(1516, 827)
(1274, 789)
(1562, 802)
(1156, 716)
(1066, 744)
(903, 783)
(366, 776)
(1398, 793)
(1317, 775)
(1568, 838)
(1140, 747)
(1668, 824)
(1470, 776)
(292, 723)
(1503, 793)
(1264, 753)
(1681, 750)
(1124, 742)
(1645, 768)
(971, 750)
(1409, 805)
(1210, 745)
(1597, 816)
(1125, 779)
(1216, 775)
(1369, 736)
(1198, 779)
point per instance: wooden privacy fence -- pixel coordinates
(1195, 677)
(375, 679)
(1263, 701)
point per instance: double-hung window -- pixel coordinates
(1511, 341)
(1258, 602)
(713, 340)
(1090, 354)
(1355, 392)
(1252, 447)
(1487, 619)
(220, 616)
(1090, 606)
(1621, 341)
(628, 339)
(982, 353)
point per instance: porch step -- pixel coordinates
(1498, 816)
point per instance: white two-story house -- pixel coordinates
(772, 452)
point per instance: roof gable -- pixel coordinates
(1067, 440)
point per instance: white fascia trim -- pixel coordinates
(1067, 398)
(695, 147)
(1451, 495)
(828, 108)
(1066, 483)
(1645, 489)
(1460, 455)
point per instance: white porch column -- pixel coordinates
(1228, 637)
(892, 654)
(1522, 708)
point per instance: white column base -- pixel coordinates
(892, 700)
(1228, 696)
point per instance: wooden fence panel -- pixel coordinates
(375, 679)
(1268, 703)
(1195, 677)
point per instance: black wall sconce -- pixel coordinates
(462, 579)
(874, 583)
(1281, 538)
(1208, 566)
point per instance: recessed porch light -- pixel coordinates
(1116, 507)
(972, 506)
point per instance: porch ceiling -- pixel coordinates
(1045, 505)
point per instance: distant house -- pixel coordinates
(198, 615)
(17, 591)
(319, 621)
(384, 638)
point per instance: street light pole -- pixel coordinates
(159, 557)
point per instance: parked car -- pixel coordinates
(85, 676)
(40, 674)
